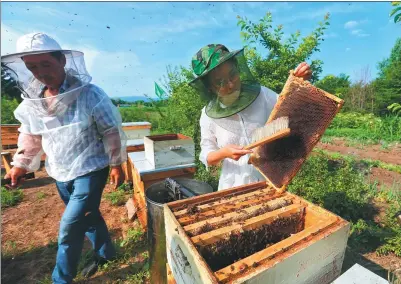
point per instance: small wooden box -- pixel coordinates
(295, 243)
(169, 150)
(136, 130)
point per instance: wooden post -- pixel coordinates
(6, 159)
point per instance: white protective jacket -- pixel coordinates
(236, 129)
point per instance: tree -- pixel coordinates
(336, 85)
(361, 96)
(396, 12)
(10, 96)
(9, 87)
(395, 108)
(272, 70)
(388, 84)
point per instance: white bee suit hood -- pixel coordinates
(80, 128)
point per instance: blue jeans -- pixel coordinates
(81, 217)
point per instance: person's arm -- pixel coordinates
(234, 152)
(211, 154)
(29, 152)
(109, 124)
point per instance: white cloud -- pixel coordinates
(332, 8)
(154, 32)
(351, 24)
(359, 33)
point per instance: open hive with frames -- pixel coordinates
(260, 233)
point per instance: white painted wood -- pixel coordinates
(315, 261)
(135, 142)
(167, 153)
(137, 123)
(136, 133)
(144, 167)
(132, 133)
(358, 274)
(318, 263)
(185, 262)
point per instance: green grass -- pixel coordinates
(117, 197)
(338, 185)
(41, 195)
(131, 254)
(369, 162)
(366, 127)
(10, 197)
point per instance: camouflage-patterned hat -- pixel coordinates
(209, 57)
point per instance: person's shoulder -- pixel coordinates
(268, 92)
(95, 90)
(94, 93)
(204, 118)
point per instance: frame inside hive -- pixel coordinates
(238, 230)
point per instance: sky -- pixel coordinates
(128, 45)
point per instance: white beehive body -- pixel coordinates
(136, 130)
(169, 150)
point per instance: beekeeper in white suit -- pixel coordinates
(237, 105)
(79, 129)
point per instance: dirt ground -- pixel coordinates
(29, 230)
(391, 155)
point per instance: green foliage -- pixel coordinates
(336, 85)
(367, 162)
(41, 195)
(338, 185)
(366, 127)
(119, 101)
(396, 12)
(7, 111)
(142, 113)
(10, 197)
(116, 197)
(9, 88)
(135, 237)
(388, 84)
(395, 108)
(334, 185)
(272, 70)
(360, 96)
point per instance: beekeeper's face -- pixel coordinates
(225, 78)
(47, 68)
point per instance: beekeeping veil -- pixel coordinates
(246, 88)
(76, 76)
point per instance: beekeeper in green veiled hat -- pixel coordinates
(237, 105)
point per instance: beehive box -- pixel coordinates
(259, 233)
(169, 150)
(253, 233)
(136, 130)
(143, 175)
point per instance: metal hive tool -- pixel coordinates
(310, 111)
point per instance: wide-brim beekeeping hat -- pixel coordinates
(77, 76)
(209, 58)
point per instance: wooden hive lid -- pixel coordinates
(310, 111)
